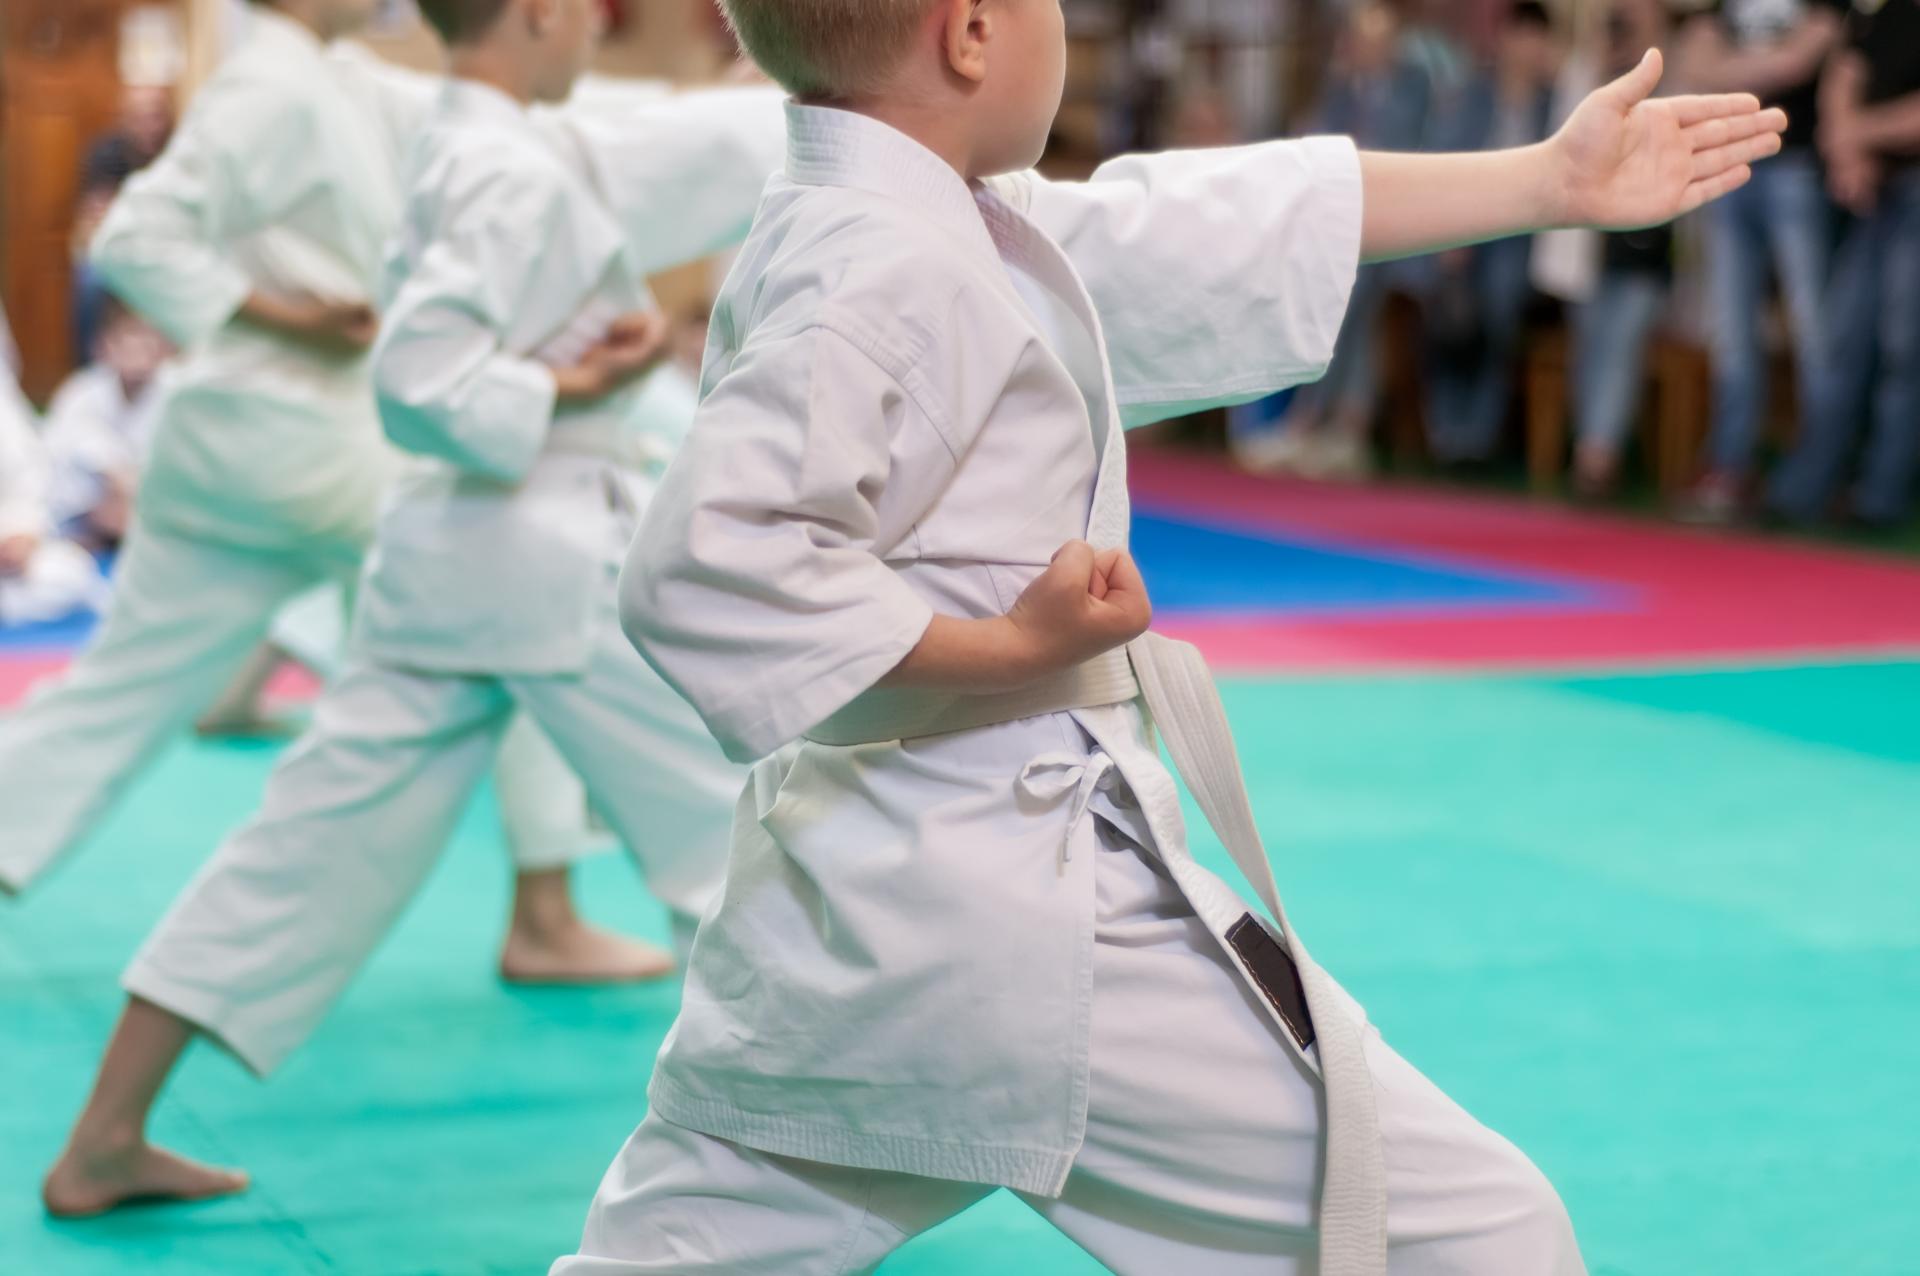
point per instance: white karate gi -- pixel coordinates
(268, 466)
(93, 433)
(60, 578)
(929, 967)
(490, 586)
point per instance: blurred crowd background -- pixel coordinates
(1760, 361)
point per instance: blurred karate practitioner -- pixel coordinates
(518, 331)
(255, 243)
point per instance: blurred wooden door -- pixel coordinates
(59, 88)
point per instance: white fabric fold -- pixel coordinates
(1052, 776)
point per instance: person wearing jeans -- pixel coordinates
(1870, 138)
(1778, 225)
(1377, 95)
(1611, 332)
(1476, 311)
(1778, 228)
(1875, 320)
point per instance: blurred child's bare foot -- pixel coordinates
(253, 725)
(89, 1180)
(1341, 456)
(577, 953)
(1272, 451)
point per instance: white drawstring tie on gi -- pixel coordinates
(1052, 776)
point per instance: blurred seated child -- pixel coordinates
(41, 576)
(98, 427)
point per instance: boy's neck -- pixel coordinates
(934, 126)
(496, 68)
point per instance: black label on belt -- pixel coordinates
(1274, 973)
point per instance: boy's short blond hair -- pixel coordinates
(826, 48)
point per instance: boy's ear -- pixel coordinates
(966, 28)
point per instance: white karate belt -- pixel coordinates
(1185, 707)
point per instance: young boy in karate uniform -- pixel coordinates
(517, 322)
(962, 942)
(255, 242)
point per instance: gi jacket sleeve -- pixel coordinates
(447, 384)
(682, 173)
(1219, 275)
(244, 157)
(755, 586)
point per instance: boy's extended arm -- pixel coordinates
(1223, 275)
(1623, 160)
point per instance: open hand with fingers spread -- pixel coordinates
(1626, 159)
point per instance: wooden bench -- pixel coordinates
(1671, 423)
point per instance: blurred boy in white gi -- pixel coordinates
(517, 323)
(42, 575)
(962, 942)
(99, 426)
(255, 242)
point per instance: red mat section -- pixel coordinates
(1688, 597)
(19, 670)
(1699, 597)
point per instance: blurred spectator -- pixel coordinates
(1382, 100)
(1777, 227)
(1611, 332)
(1870, 139)
(1612, 329)
(98, 427)
(41, 576)
(1477, 311)
(1152, 56)
(1430, 42)
(1202, 116)
(146, 121)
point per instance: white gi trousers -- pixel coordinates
(185, 613)
(263, 941)
(1202, 1150)
(544, 814)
